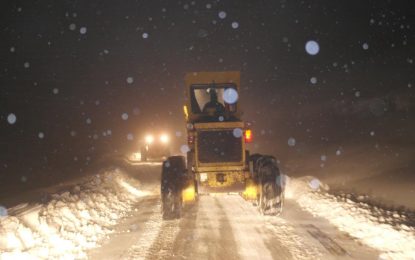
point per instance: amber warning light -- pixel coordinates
(248, 136)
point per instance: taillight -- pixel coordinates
(248, 136)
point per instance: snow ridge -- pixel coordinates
(71, 222)
(357, 220)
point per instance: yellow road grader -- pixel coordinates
(217, 157)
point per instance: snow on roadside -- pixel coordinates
(72, 221)
(357, 219)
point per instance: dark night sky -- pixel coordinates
(70, 77)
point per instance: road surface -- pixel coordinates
(223, 227)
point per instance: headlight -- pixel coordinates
(149, 139)
(203, 177)
(164, 138)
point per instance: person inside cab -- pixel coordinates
(213, 106)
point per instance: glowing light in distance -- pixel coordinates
(164, 138)
(149, 139)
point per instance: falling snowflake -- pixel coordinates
(291, 141)
(88, 121)
(145, 35)
(26, 65)
(312, 47)
(130, 80)
(41, 135)
(166, 164)
(323, 158)
(72, 27)
(124, 116)
(55, 91)
(357, 93)
(82, 30)
(313, 80)
(12, 49)
(235, 25)
(237, 132)
(372, 133)
(230, 96)
(365, 46)
(222, 14)
(11, 118)
(184, 148)
(338, 152)
(130, 137)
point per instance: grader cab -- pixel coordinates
(217, 159)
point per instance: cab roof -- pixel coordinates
(206, 77)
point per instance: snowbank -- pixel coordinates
(390, 232)
(71, 222)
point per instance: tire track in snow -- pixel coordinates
(151, 230)
(162, 246)
(278, 236)
(248, 237)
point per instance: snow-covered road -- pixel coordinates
(117, 216)
(227, 227)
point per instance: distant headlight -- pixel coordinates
(149, 139)
(164, 138)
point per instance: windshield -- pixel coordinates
(213, 98)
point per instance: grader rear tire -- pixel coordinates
(271, 193)
(173, 172)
